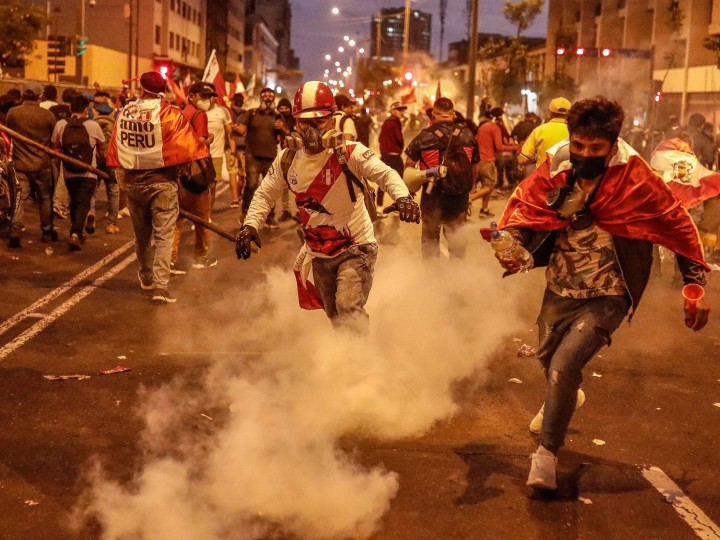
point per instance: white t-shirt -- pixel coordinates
(218, 118)
(348, 126)
(96, 137)
(332, 222)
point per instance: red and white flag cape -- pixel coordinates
(632, 201)
(214, 76)
(684, 175)
(151, 134)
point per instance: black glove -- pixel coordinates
(244, 240)
(408, 209)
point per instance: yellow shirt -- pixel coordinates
(543, 138)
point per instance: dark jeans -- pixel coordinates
(571, 332)
(441, 213)
(507, 171)
(41, 182)
(344, 284)
(81, 191)
(256, 169)
(395, 163)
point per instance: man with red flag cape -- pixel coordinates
(590, 214)
(150, 143)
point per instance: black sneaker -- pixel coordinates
(285, 216)
(484, 213)
(74, 242)
(163, 296)
(14, 242)
(144, 284)
(271, 223)
(175, 270)
(49, 236)
(205, 262)
(90, 223)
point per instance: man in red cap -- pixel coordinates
(151, 144)
(334, 270)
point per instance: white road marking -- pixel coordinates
(49, 297)
(63, 308)
(699, 522)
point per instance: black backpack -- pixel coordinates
(76, 144)
(459, 177)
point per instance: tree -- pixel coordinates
(521, 14)
(20, 24)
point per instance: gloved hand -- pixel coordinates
(244, 240)
(408, 209)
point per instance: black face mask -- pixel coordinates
(588, 167)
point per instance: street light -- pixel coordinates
(335, 11)
(328, 57)
(341, 49)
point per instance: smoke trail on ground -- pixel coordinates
(271, 462)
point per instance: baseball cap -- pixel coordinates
(267, 89)
(560, 105)
(397, 106)
(201, 87)
(32, 88)
(153, 82)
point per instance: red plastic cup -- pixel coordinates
(692, 293)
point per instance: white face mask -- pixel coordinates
(203, 104)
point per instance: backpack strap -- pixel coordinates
(194, 117)
(342, 122)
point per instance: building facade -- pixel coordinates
(648, 54)
(387, 31)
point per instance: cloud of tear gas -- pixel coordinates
(281, 456)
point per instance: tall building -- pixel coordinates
(123, 39)
(648, 54)
(388, 33)
(226, 34)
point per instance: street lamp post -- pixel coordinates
(406, 35)
(472, 60)
(81, 32)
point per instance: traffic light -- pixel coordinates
(80, 46)
(164, 66)
(57, 51)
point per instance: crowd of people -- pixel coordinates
(570, 214)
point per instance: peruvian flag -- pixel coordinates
(235, 88)
(177, 91)
(409, 98)
(214, 76)
(689, 181)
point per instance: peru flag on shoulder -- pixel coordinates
(689, 181)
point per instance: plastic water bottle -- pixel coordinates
(509, 248)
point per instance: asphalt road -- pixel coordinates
(650, 403)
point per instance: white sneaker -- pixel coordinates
(536, 422)
(542, 470)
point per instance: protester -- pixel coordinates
(236, 161)
(219, 122)
(345, 117)
(573, 214)
(444, 209)
(258, 126)
(334, 269)
(546, 135)
(392, 142)
(151, 144)
(363, 126)
(198, 204)
(490, 143)
(105, 118)
(520, 134)
(81, 138)
(49, 96)
(285, 125)
(61, 199)
(32, 165)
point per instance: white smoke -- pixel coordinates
(277, 456)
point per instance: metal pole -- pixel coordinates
(406, 36)
(79, 59)
(472, 60)
(686, 74)
(378, 36)
(130, 29)
(137, 37)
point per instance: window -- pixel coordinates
(177, 41)
(172, 5)
(172, 40)
(184, 10)
(157, 34)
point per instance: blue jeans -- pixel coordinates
(113, 195)
(42, 183)
(344, 284)
(154, 210)
(571, 332)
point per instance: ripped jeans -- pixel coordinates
(571, 332)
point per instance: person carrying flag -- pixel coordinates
(150, 146)
(590, 214)
(334, 270)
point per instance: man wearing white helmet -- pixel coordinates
(324, 172)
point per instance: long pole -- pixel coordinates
(81, 27)
(406, 35)
(686, 71)
(472, 61)
(102, 174)
(130, 33)
(137, 37)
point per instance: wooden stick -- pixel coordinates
(102, 174)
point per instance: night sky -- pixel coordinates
(316, 31)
